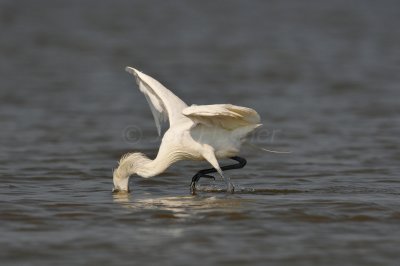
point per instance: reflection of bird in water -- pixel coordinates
(197, 132)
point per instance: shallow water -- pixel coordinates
(324, 76)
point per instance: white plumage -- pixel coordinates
(198, 132)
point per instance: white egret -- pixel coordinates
(197, 132)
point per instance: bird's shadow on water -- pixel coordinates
(177, 205)
(209, 203)
(204, 196)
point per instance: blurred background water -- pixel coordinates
(324, 76)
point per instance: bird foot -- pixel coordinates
(230, 188)
(193, 188)
(195, 179)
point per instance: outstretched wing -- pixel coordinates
(163, 103)
(226, 116)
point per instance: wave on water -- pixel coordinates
(248, 190)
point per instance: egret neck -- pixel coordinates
(138, 163)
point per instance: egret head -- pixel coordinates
(129, 164)
(121, 181)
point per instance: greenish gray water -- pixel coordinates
(324, 76)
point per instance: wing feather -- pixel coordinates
(226, 116)
(165, 106)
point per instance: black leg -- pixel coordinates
(204, 173)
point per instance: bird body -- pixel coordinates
(198, 132)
